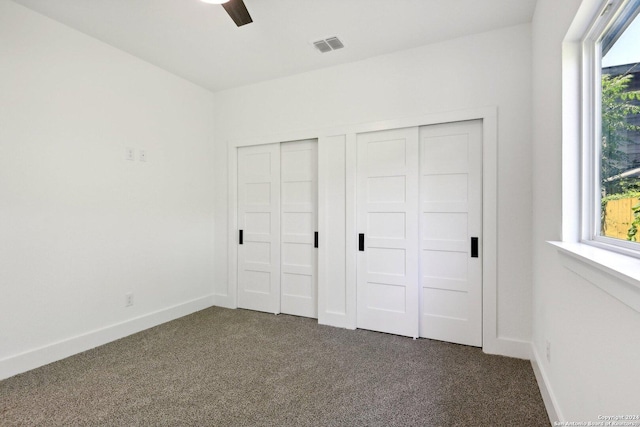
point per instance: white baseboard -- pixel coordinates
(225, 301)
(508, 347)
(35, 358)
(550, 402)
(337, 320)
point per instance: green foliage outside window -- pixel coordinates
(617, 107)
(633, 230)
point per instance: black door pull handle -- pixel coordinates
(474, 247)
(315, 239)
(240, 237)
(361, 242)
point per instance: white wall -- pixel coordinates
(80, 226)
(594, 368)
(491, 69)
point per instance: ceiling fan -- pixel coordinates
(236, 10)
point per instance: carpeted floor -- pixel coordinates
(221, 367)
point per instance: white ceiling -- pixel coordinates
(201, 43)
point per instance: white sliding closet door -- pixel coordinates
(451, 215)
(259, 228)
(299, 214)
(387, 221)
(277, 224)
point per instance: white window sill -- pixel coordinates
(616, 274)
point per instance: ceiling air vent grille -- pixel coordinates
(327, 45)
(322, 46)
(335, 43)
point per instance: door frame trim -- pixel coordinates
(492, 343)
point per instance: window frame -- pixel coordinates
(608, 18)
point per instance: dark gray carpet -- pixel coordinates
(222, 367)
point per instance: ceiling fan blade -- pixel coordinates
(238, 12)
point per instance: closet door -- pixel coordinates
(299, 214)
(387, 223)
(451, 217)
(259, 228)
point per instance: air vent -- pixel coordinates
(335, 43)
(327, 45)
(322, 46)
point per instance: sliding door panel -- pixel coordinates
(451, 216)
(259, 225)
(387, 223)
(299, 214)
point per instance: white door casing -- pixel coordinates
(450, 215)
(387, 217)
(259, 223)
(299, 219)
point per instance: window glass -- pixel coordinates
(619, 151)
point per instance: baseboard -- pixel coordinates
(337, 320)
(32, 359)
(225, 301)
(508, 347)
(550, 402)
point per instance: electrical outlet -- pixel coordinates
(548, 352)
(143, 155)
(130, 154)
(128, 299)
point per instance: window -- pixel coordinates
(611, 186)
(598, 107)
